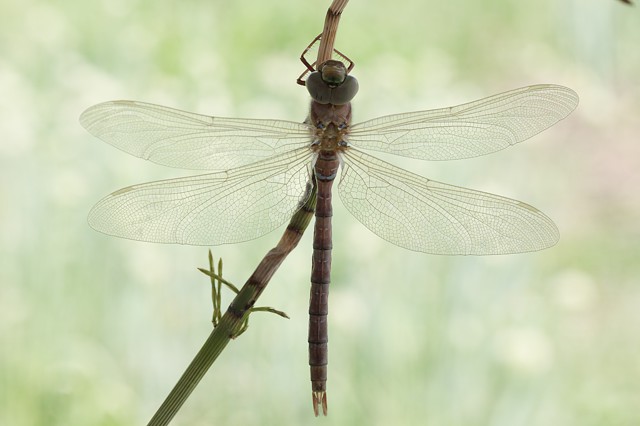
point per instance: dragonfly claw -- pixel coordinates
(319, 399)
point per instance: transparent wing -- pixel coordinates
(432, 217)
(211, 209)
(191, 141)
(468, 130)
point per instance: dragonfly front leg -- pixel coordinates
(311, 66)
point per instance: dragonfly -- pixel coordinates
(261, 172)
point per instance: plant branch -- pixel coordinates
(231, 323)
(330, 29)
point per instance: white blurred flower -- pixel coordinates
(525, 349)
(574, 290)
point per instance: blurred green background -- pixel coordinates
(96, 330)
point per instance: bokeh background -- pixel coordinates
(95, 330)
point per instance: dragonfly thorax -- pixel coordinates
(330, 138)
(332, 124)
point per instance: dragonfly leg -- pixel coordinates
(311, 66)
(303, 59)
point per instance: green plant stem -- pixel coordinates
(230, 324)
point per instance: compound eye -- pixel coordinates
(317, 88)
(344, 93)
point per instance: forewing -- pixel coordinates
(191, 141)
(432, 217)
(468, 130)
(211, 209)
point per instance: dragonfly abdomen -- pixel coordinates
(326, 168)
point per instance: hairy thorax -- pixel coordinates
(331, 126)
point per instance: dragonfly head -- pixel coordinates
(331, 84)
(333, 72)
